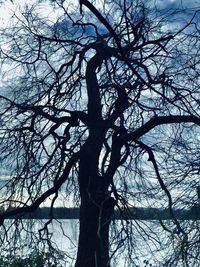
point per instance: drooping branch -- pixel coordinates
(162, 185)
(33, 207)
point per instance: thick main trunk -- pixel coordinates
(93, 248)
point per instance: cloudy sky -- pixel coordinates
(178, 3)
(6, 7)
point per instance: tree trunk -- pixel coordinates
(93, 248)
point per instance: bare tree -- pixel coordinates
(103, 102)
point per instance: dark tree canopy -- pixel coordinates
(100, 110)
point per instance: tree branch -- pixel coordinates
(163, 186)
(29, 209)
(159, 120)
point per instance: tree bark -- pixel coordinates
(97, 206)
(95, 217)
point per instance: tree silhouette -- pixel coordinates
(103, 102)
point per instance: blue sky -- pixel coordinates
(178, 3)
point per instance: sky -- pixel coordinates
(178, 3)
(7, 7)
